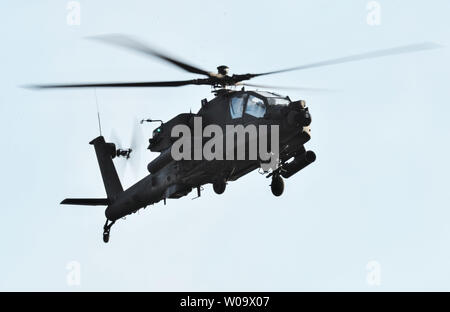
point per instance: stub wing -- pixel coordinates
(86, 201)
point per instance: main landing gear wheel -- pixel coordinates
(106, 230)
(277, 185)
(219, 186)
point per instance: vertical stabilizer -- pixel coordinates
(105, 153)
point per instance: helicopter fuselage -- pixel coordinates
(171, 178)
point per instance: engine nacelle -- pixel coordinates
(161, 161)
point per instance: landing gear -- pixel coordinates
(106, 229)
(106, 236)
(219, 186)
(277, 185)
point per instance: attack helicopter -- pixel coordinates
(171, 178)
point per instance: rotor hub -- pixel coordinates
(223, 70)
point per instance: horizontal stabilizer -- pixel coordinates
(86, 201)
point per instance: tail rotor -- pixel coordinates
(129, 156)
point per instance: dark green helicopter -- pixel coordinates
(173, 178)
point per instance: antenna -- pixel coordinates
(98, 112)
(152, 120)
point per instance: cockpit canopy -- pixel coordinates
(274, 98)
(254, 103)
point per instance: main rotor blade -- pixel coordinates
(358, 57)
(124, 84)
(135, 45)
(306, 89)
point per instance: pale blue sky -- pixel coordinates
(378, 190)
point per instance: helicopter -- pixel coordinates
(171, 178)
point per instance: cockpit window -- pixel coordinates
(237, 106)
(277, 101)
(255, 107)
(274, 98)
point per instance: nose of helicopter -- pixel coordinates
(307, 125)
(307, 131)
(299, 117)
(306, 117)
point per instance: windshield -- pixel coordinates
(255, 107)
(277, 101)
(237, 106)
(274, 99)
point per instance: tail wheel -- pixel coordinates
(219, 186)
(277, 185)
(105, 237)
(107, 229)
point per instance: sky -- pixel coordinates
(371, 214)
